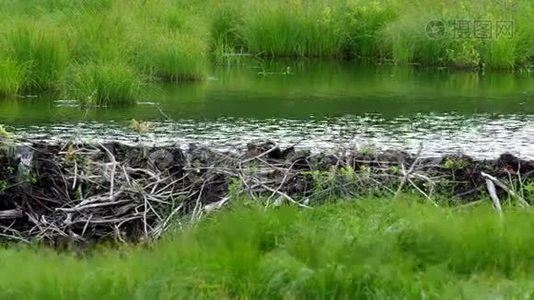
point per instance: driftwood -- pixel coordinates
(493, 180)
(82, 193)
(493, 194)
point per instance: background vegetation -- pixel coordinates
(369, 249)
(50, 45)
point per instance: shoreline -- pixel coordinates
(61, 48)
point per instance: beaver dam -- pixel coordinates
(103, 192)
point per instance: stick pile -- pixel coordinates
(82, 193)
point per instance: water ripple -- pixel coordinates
(483, 136)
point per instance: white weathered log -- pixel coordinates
(503, 186)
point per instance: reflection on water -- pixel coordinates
(317, 105)
(482, 136)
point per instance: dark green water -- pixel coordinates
(317, 104)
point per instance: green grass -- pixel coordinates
(363, 26)
(11, 77)
(174, 40)
(43, 53)
(367, 249)
(105, 84)
(174, 59)
(294, 29)
(410, 43)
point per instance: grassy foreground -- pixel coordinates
(374, 248)
(103, 51)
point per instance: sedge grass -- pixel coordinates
(170, 40)
(177, 58)
(43, 53)
(292, 30)
(364, 25)
(105, 84)
(365, 249)
(11, 77)
(95, 36)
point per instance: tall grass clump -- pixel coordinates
(43, 53)
(96, 36)
(173, 45)
(11, 77)
(226, 23)
(364, 27)
(522, 42)
(500, 54)
(409, 41)
(105, 84)
(292, 29)
(178, 58)
(226, 26)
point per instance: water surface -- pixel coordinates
(318, 105)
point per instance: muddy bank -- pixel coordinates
(83, 193)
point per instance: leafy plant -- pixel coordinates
(454, 163)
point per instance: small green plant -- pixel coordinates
(367, 150)
(324, 183)
(235, 190)
(70, 155)
(3, 185)
(347, 173)
(528, 187)
(454, 163)
(31, 178)
(365, 170)
(395, 170)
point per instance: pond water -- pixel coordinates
(318, 105)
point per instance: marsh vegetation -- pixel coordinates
(370, 248)
(165, 199)
(104, 51)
